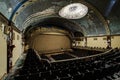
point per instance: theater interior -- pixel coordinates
(59, 40)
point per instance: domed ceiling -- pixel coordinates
(99, 20)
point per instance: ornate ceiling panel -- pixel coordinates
(22, 12)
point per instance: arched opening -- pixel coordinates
(51, 34)
(59, 22)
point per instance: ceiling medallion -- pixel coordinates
(74, 11)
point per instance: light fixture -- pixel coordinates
(74, 11)
(2, 25)
(9, 9)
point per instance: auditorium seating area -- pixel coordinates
(105, 66)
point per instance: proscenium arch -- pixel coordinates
(58, 22)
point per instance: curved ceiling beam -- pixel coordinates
(56, 21)
(16, 8)
(37, 16)
(101, 18)
(21, 8)
(110, 7)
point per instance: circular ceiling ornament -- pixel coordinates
(74, 11)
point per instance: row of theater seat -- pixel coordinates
(104, 67)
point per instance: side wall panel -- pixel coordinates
(97, 42)
(17, 41)
(115, 41)
(3, 54)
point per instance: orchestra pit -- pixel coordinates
(59, 40)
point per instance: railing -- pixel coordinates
(86, 57)
(53, 51)
(92, 48)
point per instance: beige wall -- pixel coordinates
(3, 54)
(100, 42)
(17, 41)
(3, 44)
(93, 42)
(115, 41)
(51, 42)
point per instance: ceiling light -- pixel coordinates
(74, 11)
(9, 9)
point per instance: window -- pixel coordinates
(104, 38)
(112, 37)
(17, 37)
(95, 38)
(81, 39)
(13, 36)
